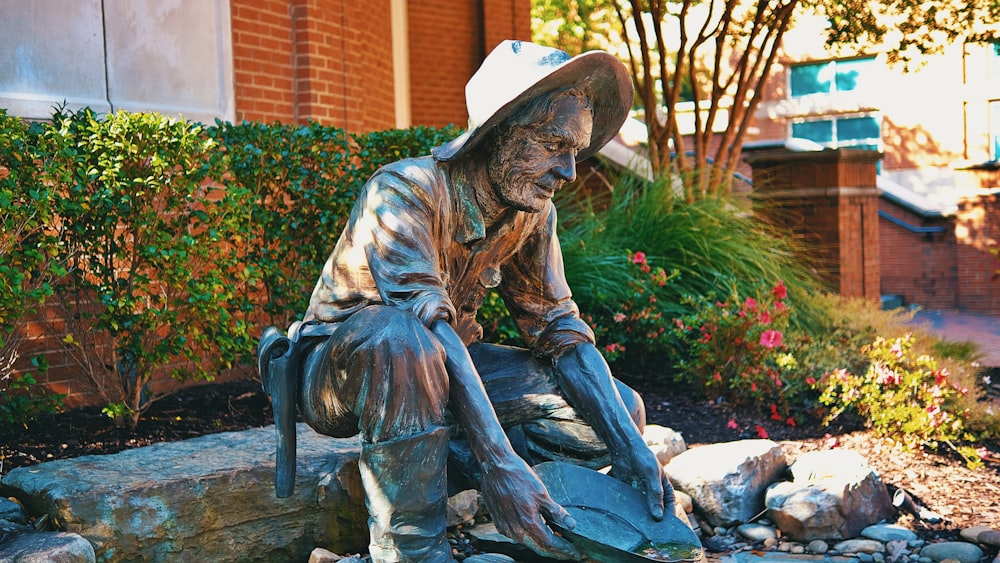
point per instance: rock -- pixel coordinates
(320, 555)
(989, 537)
(859, 546)
(718, 544)
(771, 543)
(972, 534)
(835, 496)
(24, 544)
(888, 532)
(865, 557)
(210, 498)
(491, 540)
(818, 547)
(896, 550)
(797, 549)
(963, 551)
(12, 511)
(462, 508)
(664, 442)
(756, 532)
(489, 558)
(727, 481)
(684, 501)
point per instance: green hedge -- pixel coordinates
(169, 244)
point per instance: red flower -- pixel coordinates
(810, 380)
(639, 257)
(750, 304)
(765, 318)
(761, 432)
(780, 291)
(771, 338)
(790, 421)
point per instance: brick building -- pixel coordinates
(937, 128)
(360, 65)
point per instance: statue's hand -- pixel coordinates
(521, 506)
(637, 466)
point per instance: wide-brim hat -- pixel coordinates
(517, 71)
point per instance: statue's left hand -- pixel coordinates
(521, 508)
(636, 465)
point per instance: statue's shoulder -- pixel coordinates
(418, 175)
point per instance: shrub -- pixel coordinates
(736, 349)
(709, 247)
(153, 276)
(904, 396)
(30, 258)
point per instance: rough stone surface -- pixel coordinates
(664, 442)
(205, 499)
(964, 552)
(727, 480)
(22, 544)
(818, 546)
(972, 534)
(756, 532)
(11, 511)
(859, 546)
(835, 503)
(888, 533)
(462, 507)
(989, 537)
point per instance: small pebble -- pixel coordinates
(925, 559)
(818, 547)
(878, 557)
(865, 557)
(770, 543)
(785, 547)
(797, 549)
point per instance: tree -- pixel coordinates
(721, 53)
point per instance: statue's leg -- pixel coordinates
(541, 424)
(387, 370)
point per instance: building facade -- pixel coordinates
(937, 127)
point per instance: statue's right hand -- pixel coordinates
(521, 507)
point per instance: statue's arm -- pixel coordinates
(517, 499)
(585, 378)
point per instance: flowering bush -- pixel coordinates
(736, 349)
(905, 398)
(634, 325)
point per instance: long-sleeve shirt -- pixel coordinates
(416, 239)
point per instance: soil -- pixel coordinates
(938, 480)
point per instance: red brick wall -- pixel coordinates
(831, 199)
(448, 41)
(262, 60)
(977, 229)
(921, 267)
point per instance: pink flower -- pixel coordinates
(771, 338)
(779, 306)
(810, 380)
(639, 257)
(750, 304)
(765, 318)
(780, 291)
(619, 317)
(732, 424)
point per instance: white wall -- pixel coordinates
(167, 56)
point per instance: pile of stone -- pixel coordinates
(212, 498)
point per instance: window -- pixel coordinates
(828, 77)
(856, 132)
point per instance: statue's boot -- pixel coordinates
(405, 492)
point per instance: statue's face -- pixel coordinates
(530, 163)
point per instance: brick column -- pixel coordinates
(829, 197)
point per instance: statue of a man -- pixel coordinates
(391, 343)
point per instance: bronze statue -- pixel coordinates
(390, 346)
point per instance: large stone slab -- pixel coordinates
(834, 495)
(206, 499)
(727, 481)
